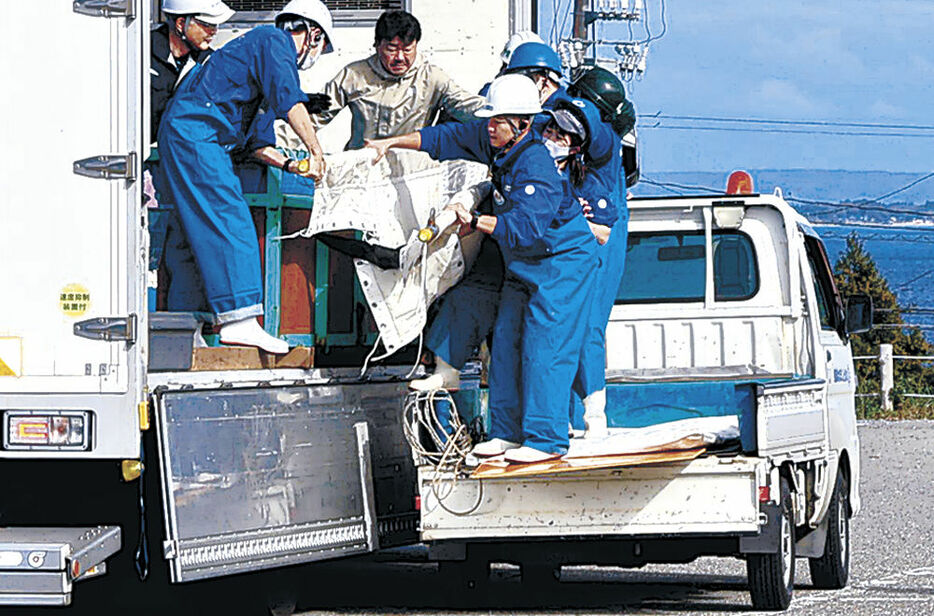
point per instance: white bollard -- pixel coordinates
(886, 376)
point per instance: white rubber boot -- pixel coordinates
(595, 415)
(445, 376)
(527, 455)
(248, 333)
(493, 447)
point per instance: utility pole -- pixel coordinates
(580, 22)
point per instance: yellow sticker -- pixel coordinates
(74, 300)
(11, 355)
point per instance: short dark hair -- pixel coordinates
(397, 23)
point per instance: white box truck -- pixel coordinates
(250, 469)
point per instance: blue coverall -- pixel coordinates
(604, 188)
(208, 118)
(548, 251)
(467, 312)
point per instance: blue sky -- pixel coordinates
(840, 61)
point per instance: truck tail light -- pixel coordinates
(764, 494)
(52, 430)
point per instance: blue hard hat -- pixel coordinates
(534, 55)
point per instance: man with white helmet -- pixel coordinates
(395, 90)
(185, 37)
(212, 114)
(548, 251)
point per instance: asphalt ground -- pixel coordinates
(892, 562)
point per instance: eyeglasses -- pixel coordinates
(204, 24)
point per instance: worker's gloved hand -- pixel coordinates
(316, 169)
(463, 217)
(317, 103)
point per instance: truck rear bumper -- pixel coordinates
(38, 566)
(707, 496)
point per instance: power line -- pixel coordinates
(905, 187)
(866, 205)
(660, 115)
(914, 280)
(786, 131)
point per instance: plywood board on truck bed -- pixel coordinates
(500, 469)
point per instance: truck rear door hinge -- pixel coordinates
(108, 166)
(105, 8)
(111, 329)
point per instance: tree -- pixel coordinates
(856, 273)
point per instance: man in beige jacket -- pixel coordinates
(395, 91)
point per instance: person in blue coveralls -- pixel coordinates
(465, 315)
(548, 251)
(211, 116)
(575, 129)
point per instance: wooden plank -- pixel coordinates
(249, 358)
(500, 469)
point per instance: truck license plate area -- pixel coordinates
(264, 477)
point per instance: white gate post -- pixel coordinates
(886, 376)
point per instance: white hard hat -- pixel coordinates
(511, 95)
(523, 36)
(312, 10)
(209, 11)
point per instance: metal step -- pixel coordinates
(38, 565)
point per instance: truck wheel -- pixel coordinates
(772, 576)
(832, 570)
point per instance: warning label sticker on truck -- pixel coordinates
(74, 300)
(11, 356)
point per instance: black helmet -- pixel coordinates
(606, 91)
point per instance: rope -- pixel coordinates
(421, 336)
(445, 452)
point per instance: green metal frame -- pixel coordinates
(273, 201)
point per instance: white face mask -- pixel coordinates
(308, 61)
(557, 151)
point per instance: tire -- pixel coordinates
(832, 570)
(772, 576)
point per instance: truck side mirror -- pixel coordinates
(858, 314)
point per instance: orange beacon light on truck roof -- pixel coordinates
(740, 183)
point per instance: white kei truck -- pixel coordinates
(114, 465)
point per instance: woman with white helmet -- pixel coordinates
(547, 249)
(211, 115)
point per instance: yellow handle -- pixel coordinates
(304, 165)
